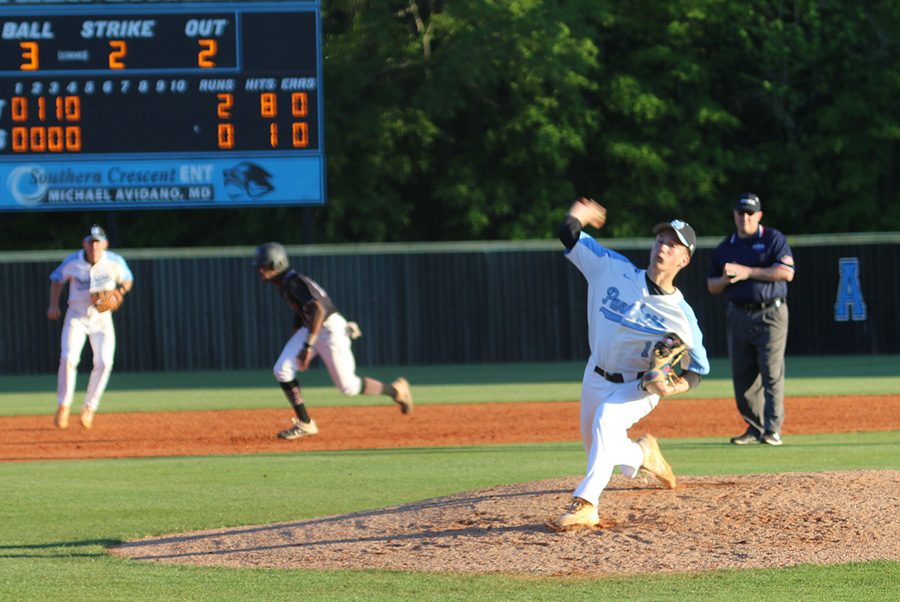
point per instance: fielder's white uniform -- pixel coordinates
(83, 321)
(625, 320)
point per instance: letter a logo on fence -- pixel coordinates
(849, 304)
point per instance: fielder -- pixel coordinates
(98, 281)
(639, 329)
(319, 330)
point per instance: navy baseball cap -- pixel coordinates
(748, 202)
(96, 233)
(682, 230)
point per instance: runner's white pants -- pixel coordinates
(608, 410)
(83, 324)
(333, 345)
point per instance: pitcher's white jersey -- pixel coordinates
(84, 278)
(624, 319)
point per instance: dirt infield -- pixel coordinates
(253, 431)
(707, 523)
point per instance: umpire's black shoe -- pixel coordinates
(771, 439)
(746, 439)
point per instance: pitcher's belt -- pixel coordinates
(614, 377)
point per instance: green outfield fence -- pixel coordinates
(431, 303)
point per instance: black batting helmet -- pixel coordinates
(272, 256)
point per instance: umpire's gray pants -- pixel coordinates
(756, 344)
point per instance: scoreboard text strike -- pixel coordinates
(160, 105)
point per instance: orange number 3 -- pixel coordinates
(30, 60)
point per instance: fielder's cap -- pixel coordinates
(682, 230)
(96, 233)
(748, 202)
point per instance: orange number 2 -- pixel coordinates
(223, 109)
(120, 49)
(205, 56)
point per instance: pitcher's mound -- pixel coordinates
(741, 521)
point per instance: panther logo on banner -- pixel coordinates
(247, 180)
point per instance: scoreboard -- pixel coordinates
(116, 105)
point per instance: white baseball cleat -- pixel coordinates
(654, 463)
(581, 513)
(87, 417)
(61, 418)
(300, 429)
(402, 395)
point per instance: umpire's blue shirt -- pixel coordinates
(764, 249)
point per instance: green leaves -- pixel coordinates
(501, 98)
(483, 119)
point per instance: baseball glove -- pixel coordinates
(666, 356)
(107, 300)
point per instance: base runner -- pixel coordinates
(319, 330)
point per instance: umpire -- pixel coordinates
(752, 267)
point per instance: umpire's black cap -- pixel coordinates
(748, 202)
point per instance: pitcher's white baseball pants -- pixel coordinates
(608, 410)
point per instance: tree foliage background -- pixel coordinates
(484, 119)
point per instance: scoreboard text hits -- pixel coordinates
(124, 83)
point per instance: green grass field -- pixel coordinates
(490, 383)
(56, 518)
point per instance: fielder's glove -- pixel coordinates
(664, 359)
(108, 300)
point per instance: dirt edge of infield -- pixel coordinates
(707, 523)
